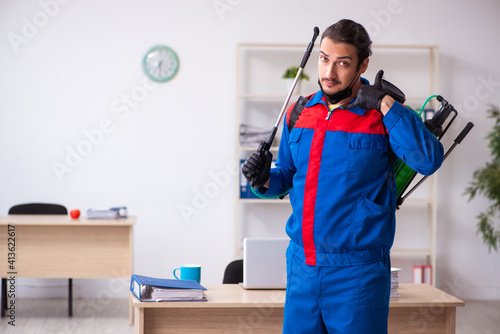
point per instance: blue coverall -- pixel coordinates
(337, 171)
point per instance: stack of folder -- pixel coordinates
(252, 135)
(149, 289)
(112, 213)
(394, 282)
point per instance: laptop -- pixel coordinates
(264, 263)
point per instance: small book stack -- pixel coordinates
(394, 282)
(252, 135)
(113, 213)
(149, 289)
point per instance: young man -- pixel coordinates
(336, 165)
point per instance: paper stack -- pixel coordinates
(394, 282)
(160, 294)
(149, 289)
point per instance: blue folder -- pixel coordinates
(139, 285)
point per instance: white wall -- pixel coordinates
(62, 79)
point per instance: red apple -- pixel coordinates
(75, 213)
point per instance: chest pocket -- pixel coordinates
(367, 157)
(295, 145)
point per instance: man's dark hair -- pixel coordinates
(349, 32)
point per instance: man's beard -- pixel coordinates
(340, 95)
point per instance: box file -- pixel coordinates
(150, 289)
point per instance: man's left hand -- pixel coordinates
(369, 96)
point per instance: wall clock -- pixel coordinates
(160, 63)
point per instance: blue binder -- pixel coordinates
(139, 286)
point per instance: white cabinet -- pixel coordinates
(414, 69)
(261, 92)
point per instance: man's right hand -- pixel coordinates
(256, 169)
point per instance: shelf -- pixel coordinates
(296, 96)
(301, 47)
(254, 148)
(264, 201)
(266, 96)
(411, 252)
(267, 47)
(398, 47)
(261, 93)
(410, 200)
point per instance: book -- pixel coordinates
(427, 274)
(245, 188)
(150, 289)
(112, 213)
(418, 276)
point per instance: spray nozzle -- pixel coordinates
(435, 124)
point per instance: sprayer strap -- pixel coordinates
(390, 153)
(297, 109)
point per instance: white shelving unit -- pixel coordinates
(261, 93)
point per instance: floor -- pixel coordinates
(92, 316)
(479, 317)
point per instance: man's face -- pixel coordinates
(337, 66)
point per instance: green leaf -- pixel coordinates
(486, 182)
(291, 73)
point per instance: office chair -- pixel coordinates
(233, 273)
(38, 209)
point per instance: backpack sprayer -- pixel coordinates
(403, 173)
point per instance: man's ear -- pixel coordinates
(364, 66)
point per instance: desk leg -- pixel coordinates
(450, 320)
(4, 296)
(70, 297)
(139, 320)
(130, 311)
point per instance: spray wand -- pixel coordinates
(457, 141)
(265, 145)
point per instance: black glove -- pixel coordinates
(256, 168)
(369, 96)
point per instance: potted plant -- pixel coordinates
(290, 75)
(487, 183)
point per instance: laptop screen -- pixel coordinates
(264, 263)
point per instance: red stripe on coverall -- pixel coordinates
(310, 191)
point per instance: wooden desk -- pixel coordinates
(231, 309)
(56, 246)
(423, 308)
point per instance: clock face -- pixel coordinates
(160, 63)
